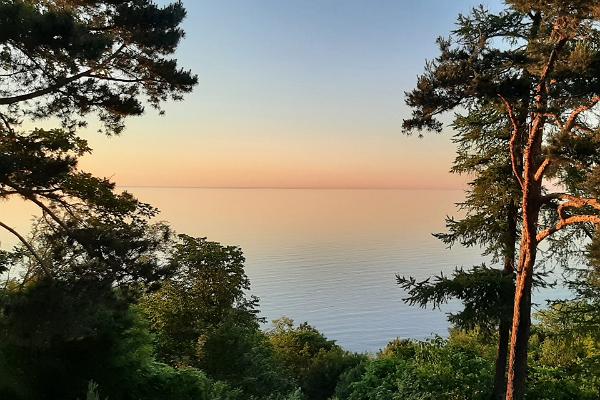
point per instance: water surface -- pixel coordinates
(328, 257)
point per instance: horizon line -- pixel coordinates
(287, 187)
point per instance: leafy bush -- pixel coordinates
(56, 337)
(563, 365)
(435, 369)
(242, 356)
(315, 362)
(159, 381)
(564, 360)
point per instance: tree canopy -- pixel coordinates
(68, 59)
(537, 63)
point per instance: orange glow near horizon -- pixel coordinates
(291, 102)
(146, 155)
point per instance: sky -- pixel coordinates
(293, 94)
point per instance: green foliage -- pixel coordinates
(435, 369)
(202, 317)
(121, 253)
(466, 72)
(38, 159)
(344, 388)
(565, 361)
(563, 366)
(56, 337)
(160, 381)
(486, 294)
(582, 313)
(315, 362)
(70, 58)
(79, 321)
(492, 199)
(566, 356)
(89, 229)
(207, 288)
(243, 356)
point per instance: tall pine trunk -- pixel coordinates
(499, 390)
(532, 192)
(517, 367)
(531, 202)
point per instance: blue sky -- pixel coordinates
(293, 94)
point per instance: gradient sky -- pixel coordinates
(292, 94)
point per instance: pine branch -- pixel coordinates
(563, 223)
(513, 140)
(59, 83)
(564, 220)
(571, 121)
(29, 247)
(539, 174)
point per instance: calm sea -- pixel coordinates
(328, 257)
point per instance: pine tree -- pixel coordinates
(67, 59)
(70, 60)
(491, 222)
(538, 61)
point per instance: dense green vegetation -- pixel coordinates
(58, 336)
(100, 302)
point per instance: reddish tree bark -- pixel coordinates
(531, 185)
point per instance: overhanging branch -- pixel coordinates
(572, 201)
(29, 247)
(564, 220)
(571, 121)
(59, 83)
(563, 223)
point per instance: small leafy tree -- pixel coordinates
(316, 362)
(202, 317)
(207, 288)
